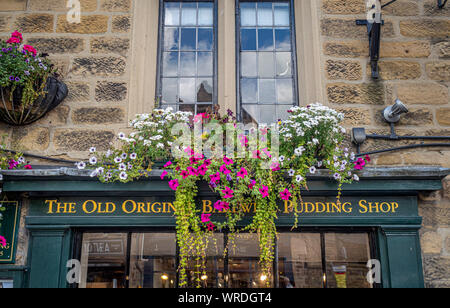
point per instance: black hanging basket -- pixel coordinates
(14, 113)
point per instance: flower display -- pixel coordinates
(22, 67)
(2, 242)
(310, 139)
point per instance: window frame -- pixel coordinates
(160, 50)
(238, 53)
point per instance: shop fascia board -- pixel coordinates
(62, 179)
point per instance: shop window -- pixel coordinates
(267, 73)
(149, 260)
(187, 55)
(6, 283)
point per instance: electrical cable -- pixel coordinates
(413, 146)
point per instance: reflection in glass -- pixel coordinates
(299, 260)
(187, 64)
(205, 39)
(187, 108)
(187, 90)
(188, 38)
(283, 64)
(170, 64)
(188, 14)
(214, 275)
(172, 14)
(243, 263)
(171, 36)
(205, 64)
(169, 90)
(266, 67)
(284, 91)
(281, 14)
(153, 260)
(249, 90)
(248, 64)
(248, 14)
(265, 17)
(248, 39)
(267, 94)
(103, 260)
(282, 39)
(268, 114)
(204, 90)
(265, 39)
(205, 14)
(346, 255)
(250, 114)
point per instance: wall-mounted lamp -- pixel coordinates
(392, 113)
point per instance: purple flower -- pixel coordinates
(11, 78)
(27, 73)
(17, 79)
(229, 178)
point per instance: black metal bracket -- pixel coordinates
(374, 33)
(442, 3)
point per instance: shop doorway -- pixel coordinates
(307, 259)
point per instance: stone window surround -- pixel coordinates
(145, 51)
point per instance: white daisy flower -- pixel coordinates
(124, 156)
(133, 156)
(117, 160)
(337, 176)
(356, 177)
(108, 153)
(121, 135)
(312, 170)
(92, 150)
(122, 167)
(315, 141)
(299, 151)
(319, 164)
(281, 158)
(291, 172)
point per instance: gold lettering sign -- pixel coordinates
(133, 207)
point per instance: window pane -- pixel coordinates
(248, 64)
(267, 91)
(300, 260)
(205, 64)
(103, 260)
(249, 90)
(265, 15)
(204, 90)
(188, 38)
(282, 39)
(170, 64)
(187, 90)
(282, 111)
(243, 263)
(153, 260)
(248, 39)
(188, 14)
(205, 39)
(265, 39)
(171, 37)
(268, 114)
(281, 14)
(188, 108)
(250, 114)
(346, 257)
(266, 66)
(248, 14)
(205, 14)
(284, 64)
(169, 90)
(172, 14)
(284, 91)
(187, 63)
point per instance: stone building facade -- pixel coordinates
(109, 63)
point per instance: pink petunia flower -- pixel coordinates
(30, 49)
(252, 184)
(206, 217)
(285, 194)
(210, 226)
(228, 193)
(192, 171)
(275, 166)
(201, 170)
(174, 184)
(184, 174)
(264, 190)
(359, 164)
(227, 161)
(169, 163)
(28, 167)
(13, 40)
(2, 241)
(163, 175)
(242, 173)
(224, 169)
(215, 177)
